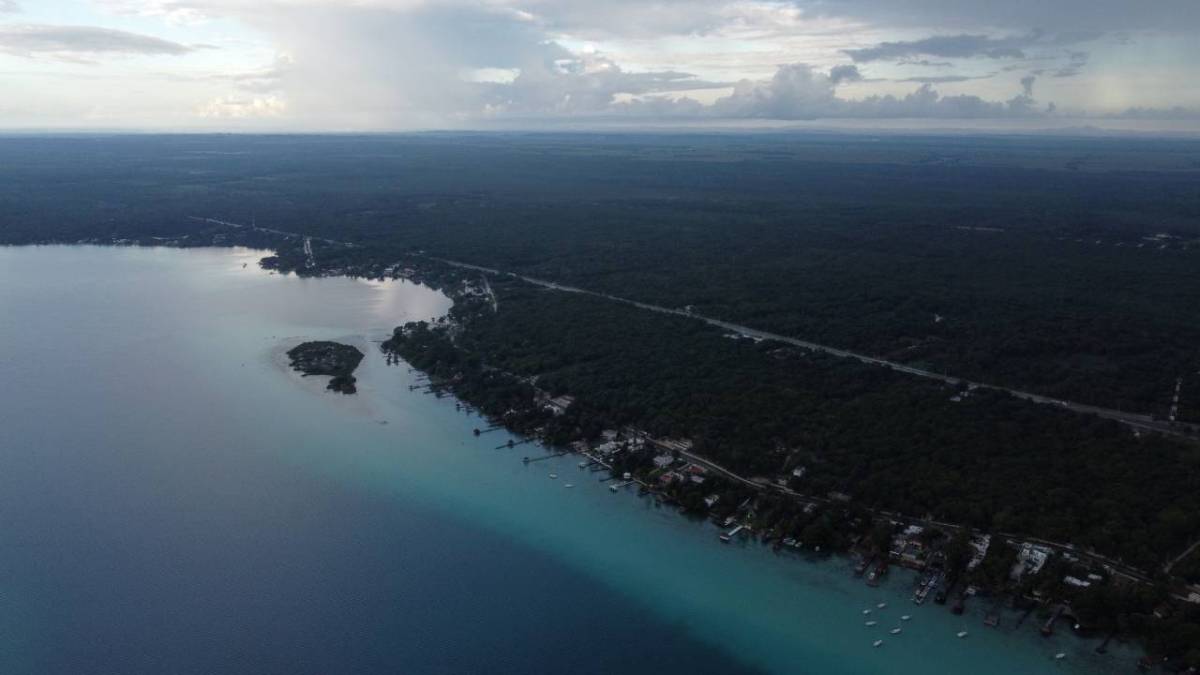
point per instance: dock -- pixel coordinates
(531, 460)
(728, 536)
(1048, 627)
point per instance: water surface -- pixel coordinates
(174, 499)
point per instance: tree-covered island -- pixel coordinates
(322, 357)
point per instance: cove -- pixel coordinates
(174, 499)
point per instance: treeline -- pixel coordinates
(1034, 263)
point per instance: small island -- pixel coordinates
(328, 358)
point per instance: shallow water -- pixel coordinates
(174, 499)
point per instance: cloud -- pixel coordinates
(1174, 16)
(1027, 85)
(394, 64)
(942, 79)
(9, 7)
(947, 46)
(1172, 113)
(799, 92)
(232, 107)
(81, 43)
(1076, 62)
(925, 63)
(845, 73)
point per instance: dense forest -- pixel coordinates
(890, 441)
(1068, 267)
(1062, 266)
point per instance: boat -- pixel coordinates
(582, 465)
(862, 565)
(553, 476)
(866, 611)
(962, 633)
(906, 617)
(881, 605)
(569, 485)
(870, 623)
(1060, 656)
(896, 630)
(877, 643)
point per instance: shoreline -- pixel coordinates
(421, 276)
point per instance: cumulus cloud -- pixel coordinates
(391, 64)
(845, 73)
(237, 108)
(799, 92)
(82, 43)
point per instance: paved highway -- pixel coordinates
(1136, 420)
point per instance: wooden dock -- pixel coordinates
(531, 460)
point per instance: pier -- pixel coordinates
(732, 533)
(531, 460)
(1048, 627)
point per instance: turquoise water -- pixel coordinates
(174, 499)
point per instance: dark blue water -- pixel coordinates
(143, 532)
(174, 500)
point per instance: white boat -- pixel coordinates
(877, 643)
(906, 617)
(881, 605)
(553, 476)
(962, 633)
(870, 623)
(569, 485)
(896, 630)
(866, 611)
(1060, 656)
(582, 464)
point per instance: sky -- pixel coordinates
(396, 65)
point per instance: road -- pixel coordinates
(1175, 561)
(1132, 419)
(1135, 420)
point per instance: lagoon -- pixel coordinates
(174, 499)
